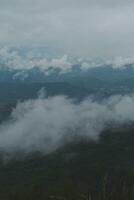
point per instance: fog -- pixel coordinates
(45, 124)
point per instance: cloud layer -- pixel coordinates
(97, 28)
(15, 60)
(46, 124)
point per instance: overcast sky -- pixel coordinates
(94, 28)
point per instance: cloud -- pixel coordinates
(46, 124)
(115, 63)
(16, 60)
(13, 60)
(96, 28)
(120, 62)
(56, 63)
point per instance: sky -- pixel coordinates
(90, 28)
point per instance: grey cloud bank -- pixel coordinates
(81, 27)
(46, 124)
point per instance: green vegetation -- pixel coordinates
(102, 170)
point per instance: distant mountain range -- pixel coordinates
(99, 81)
(103, 73)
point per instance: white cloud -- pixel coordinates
(14, 60)
(120, 62)
(56, 63)
(86, 65)
(47, 124)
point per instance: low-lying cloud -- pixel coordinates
(46, 124)
(15, 60)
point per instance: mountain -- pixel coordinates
(104, 73)
(100, 82)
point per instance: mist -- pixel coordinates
(46, 124)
